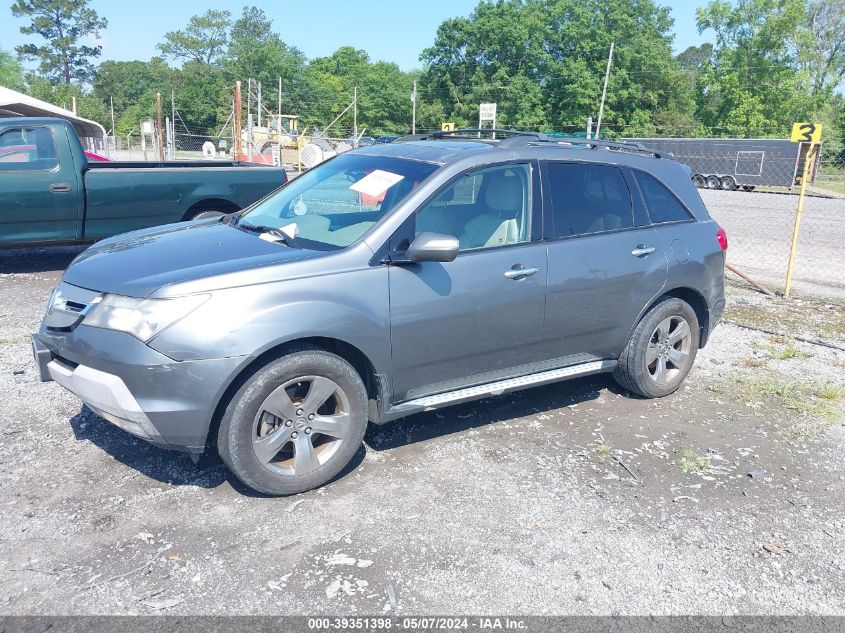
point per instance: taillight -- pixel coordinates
(722, 238)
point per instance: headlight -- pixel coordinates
(142, 318)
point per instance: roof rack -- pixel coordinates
(514, 138)
(616, 146)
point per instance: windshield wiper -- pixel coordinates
(270, 230)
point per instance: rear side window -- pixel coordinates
(27, 149)
(588, 199)
(662, 205)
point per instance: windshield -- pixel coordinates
(334, 204)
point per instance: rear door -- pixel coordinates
(478, 318)
(40, 200)
(605, 263)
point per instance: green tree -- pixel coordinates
(821, 47)
(132, 85)
(11, 72)
(256, 52)
(203, 40)
(543, 62)
(63, 24)
(754, 83)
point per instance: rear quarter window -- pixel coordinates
(661, 203)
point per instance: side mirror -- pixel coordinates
(433, 247)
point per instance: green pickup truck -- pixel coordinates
(51, 193)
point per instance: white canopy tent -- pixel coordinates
(13, 103)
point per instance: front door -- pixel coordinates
(478, 318)
(39, 194)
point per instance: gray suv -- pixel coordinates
(390, 280)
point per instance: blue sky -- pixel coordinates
(388, 29)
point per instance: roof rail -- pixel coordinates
(515, 138)
(463, 132)
(616, 146)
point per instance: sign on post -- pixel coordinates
(802, 133)
(447, 127)
(486, 112)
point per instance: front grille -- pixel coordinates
(68, 307)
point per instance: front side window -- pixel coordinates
(333, 205)
(484, 209)
(27, 149)
(588, 198)
(662, 205)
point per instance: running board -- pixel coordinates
(429, 403)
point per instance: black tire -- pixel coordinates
(210, 213)
(714, 182)
(699, 181)
(634, 373)
(237, 433)
(728, 183)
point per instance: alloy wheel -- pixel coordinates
(668, 351)
(301, 425)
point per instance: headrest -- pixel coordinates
(503, 191)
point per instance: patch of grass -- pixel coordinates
(603, 451)
(753, 362)
(786, 353)
(832, 393)
(11, 341)
(811, 318)
(691, 462)
(804, 398)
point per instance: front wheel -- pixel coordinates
(295, 423)
(661, 351)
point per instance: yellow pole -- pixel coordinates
(808, 160)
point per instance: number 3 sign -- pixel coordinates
(806, 133)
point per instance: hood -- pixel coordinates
(138, 263)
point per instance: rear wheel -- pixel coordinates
(661, 351)
(699, 181)
(714, 182)
(295, 423)
(728, 183)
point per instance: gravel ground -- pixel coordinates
(566, 499)
(759, 227)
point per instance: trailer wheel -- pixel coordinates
(728, 183)
(699, 181)
(714, 182)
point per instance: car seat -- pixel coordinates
(503, 197)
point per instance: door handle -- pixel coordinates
(643, 251)
(60, 187)
(519, 273)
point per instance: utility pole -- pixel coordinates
(73, 102)
(604, 90)
(414, 115)
(259, 104)
(237, 120)
(280, 104)
(111, 107)
(173, 124)
(160, 131)
(355, 115)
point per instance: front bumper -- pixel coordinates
(166, 402)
